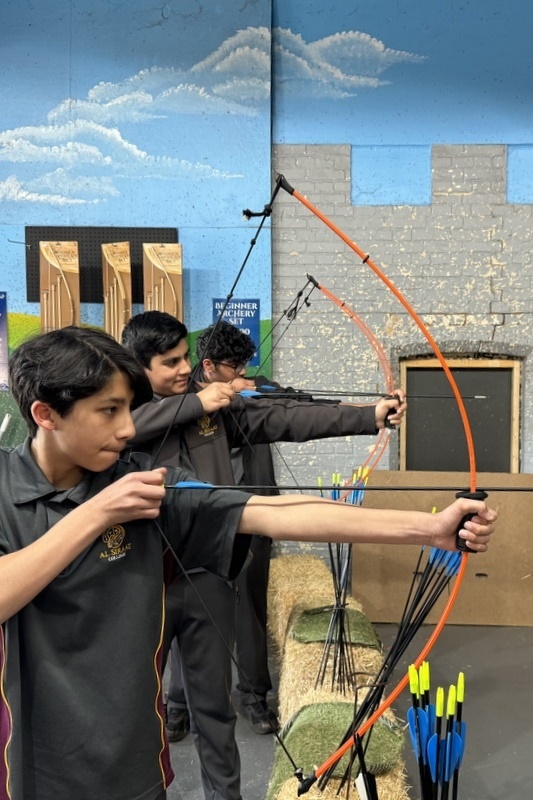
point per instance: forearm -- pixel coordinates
(266, 421)
(318, 520)
(26, 572)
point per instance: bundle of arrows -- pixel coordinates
(337, 647)
(428, 584)
(438, 739)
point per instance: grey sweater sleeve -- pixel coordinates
(153, 419)
(265, 420)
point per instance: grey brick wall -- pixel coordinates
(464, 262)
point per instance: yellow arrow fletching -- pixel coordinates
(413, 680)
(461, 687)
(452, 702)
(439, 702)
(424, 677)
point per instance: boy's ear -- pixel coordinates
(44, 415)
(207, 365)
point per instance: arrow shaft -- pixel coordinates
(348, 487)
(334, 393)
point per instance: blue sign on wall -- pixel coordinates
(244, 314)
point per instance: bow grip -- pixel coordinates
(387, 422)
(478, 495)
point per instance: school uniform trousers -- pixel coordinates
(204, 445)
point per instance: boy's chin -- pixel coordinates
(104, 460)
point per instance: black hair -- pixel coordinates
(152, 333)
(63, 366)
(228, 343)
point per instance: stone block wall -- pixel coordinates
(464, 262)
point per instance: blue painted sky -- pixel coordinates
(118, 113)
(457, 71)
(150, 101)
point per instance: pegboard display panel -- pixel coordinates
(89, 241)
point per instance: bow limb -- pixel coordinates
(386, 367)
(398, 689)
(382, 442)
(367, 724)
(412, 313)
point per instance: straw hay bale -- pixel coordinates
(391, 786)
(296, 583)
(317, 730)
(299, 672)
(299, 585)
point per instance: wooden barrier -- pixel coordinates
(498, 586)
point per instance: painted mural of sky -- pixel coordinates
(115, 113)
(164, 124)
(160, 125)
(411, 72)
(118, 113)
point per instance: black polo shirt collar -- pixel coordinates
(28, 482)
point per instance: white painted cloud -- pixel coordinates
(235, 78)
(169, 97)
(60, 180)
(356, 52)
(84, 143)
(13, 190)
(84, 135)
(257, 43)
(336, 66)
(134, 107)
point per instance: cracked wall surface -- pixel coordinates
(464, 262)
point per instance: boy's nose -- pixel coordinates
(127, 428)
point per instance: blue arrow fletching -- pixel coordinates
(432, 755)
(266, 388)
(193, 485)
(461, 732)
(250, 393)
(430, 714)
(453, 754)
(423, 732)
(436, 556)
(418, 731)
(452, 568)
(413, 732)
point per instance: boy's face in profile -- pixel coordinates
(94, 432)
(169, 373)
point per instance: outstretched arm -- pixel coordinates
(295, 517)
(139, 495)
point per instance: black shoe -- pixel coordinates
(261, 718)
(178, 724)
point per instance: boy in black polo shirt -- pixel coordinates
(81, 571)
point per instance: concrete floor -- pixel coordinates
(498, 709)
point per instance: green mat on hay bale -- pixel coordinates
(313, 625)
(316, 732)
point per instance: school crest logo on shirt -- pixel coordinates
(207, 428)
(114, 537)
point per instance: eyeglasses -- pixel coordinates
(234, 367)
